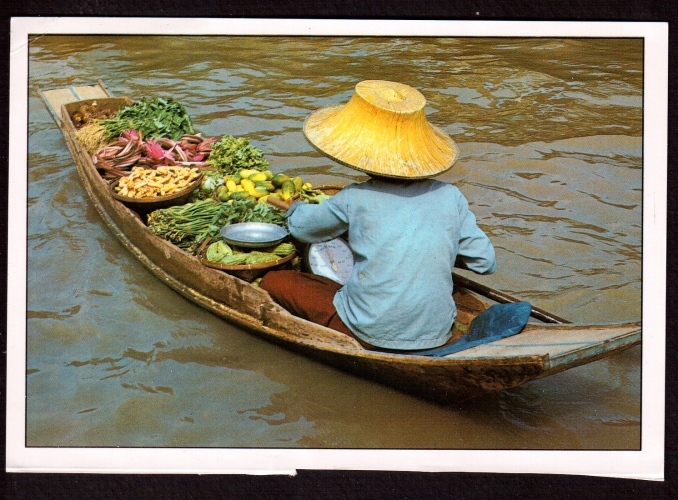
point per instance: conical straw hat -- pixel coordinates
(382, 130)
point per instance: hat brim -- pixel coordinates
(380, 142)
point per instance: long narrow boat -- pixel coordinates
(541, 349)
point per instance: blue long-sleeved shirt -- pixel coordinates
(405, 238)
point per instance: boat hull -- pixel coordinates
(444, 380)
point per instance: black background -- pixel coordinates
(349, 484)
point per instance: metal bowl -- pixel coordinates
(253, 234)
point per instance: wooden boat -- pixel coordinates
(541, 349)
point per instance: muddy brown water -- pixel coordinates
(551, 162)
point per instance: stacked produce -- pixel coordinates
(148, 132)
(243, 174)
(117, 158)
(231, 154)
(220, 253)
(154, 118)
(189, 225)
(90, 113)
(152, 183)
(260, 185)
(150, 147)
(227, 156)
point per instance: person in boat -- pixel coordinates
(405, 229)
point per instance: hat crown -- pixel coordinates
(391, 96)
(382, 130)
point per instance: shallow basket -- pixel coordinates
(249, 272)
(147, 205)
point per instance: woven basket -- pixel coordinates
(247, 272)
(146, 205)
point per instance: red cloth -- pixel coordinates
(307, 296)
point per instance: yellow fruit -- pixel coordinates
(278, 179)
(265, 184)
(247, 185)
(268, 174)
(288, 189)
(263, 199)
(298, 182)
(259, 176)
(307, 185)
(246, 172)
(258, 192)
(231, 185)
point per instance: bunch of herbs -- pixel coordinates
(187, 226)
(250, 211)
(156, 117)
(231, 154)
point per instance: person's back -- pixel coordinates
(405, 237)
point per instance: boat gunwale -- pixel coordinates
(335, 346)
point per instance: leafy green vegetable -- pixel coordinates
(155, 117)
(235, 259)
(231, 154)
(251, 211)
(217, 251)
(210, 182)
(187, 226)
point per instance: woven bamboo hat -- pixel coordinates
(382, 130)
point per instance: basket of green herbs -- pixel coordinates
(153, 117)
(189, 225)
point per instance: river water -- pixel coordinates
(550, 134)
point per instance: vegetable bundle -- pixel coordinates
(230, 154)
(219, 252)
(155, 117)
(187, 226)
(116, 158)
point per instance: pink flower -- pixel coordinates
(130, 135)
(206, 145)
(154, 149)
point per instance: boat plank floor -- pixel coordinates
(57, 97)
(90, 92)
(551, 341)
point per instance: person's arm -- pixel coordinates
(282, 205)
(311, 223)
(476, 252)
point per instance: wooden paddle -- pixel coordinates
(504, 298)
